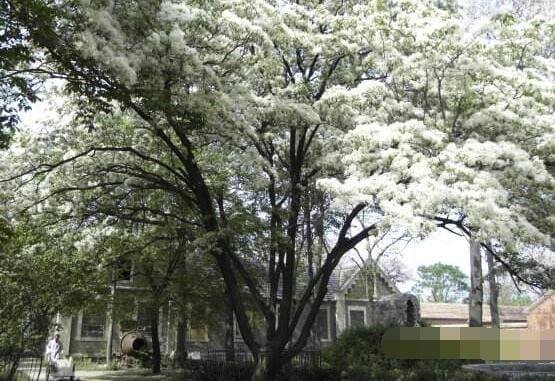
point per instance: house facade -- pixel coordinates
(356, 297)
(541, 313)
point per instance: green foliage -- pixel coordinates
(445, 283)
(87, 363)
(360, 348)
(40, 274)
(18, 377)
(18, 86)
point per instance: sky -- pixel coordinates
(440, 246)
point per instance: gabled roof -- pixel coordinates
(352, 272)
(341, 280)
(302, 281)
(540, 301)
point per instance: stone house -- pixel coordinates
(354, 298)
(541, 313)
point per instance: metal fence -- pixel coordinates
(26, 367)
(305, 359)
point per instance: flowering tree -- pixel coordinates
(452, 100)
(386, 106)
(442, 140)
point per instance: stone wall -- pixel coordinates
(543, 315)
(397, 309)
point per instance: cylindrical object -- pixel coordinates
(133, 342)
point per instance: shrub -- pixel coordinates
(19, 376)
(361, 348)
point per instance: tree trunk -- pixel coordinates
(229, 344)
(110, 321)
(260, 371)
(156, 357)
(181, 348)
(13, 368)
(476, 289)
(181, 342)
(493, 292)
(264, 370)
(374, 275)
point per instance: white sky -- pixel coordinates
(440, 246)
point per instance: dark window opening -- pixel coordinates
(321, 326)
(357, 318)
(124, 269)
(93, 326)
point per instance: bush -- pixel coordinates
(19, 376)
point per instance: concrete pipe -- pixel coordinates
(133, 342)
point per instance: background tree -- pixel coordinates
(441, 283)
(42, 274)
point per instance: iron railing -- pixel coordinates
(305, 359)
(23, 367)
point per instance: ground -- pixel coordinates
(128, 375)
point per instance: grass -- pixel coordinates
(85, 363)
(19, 376)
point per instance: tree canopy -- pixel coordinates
(266, 128)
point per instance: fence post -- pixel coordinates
(40, 367)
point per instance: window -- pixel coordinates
(322, 324)
(357, 316)
(144, 312)
(93, 326)
(124, 269)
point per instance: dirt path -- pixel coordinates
(129, 375)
